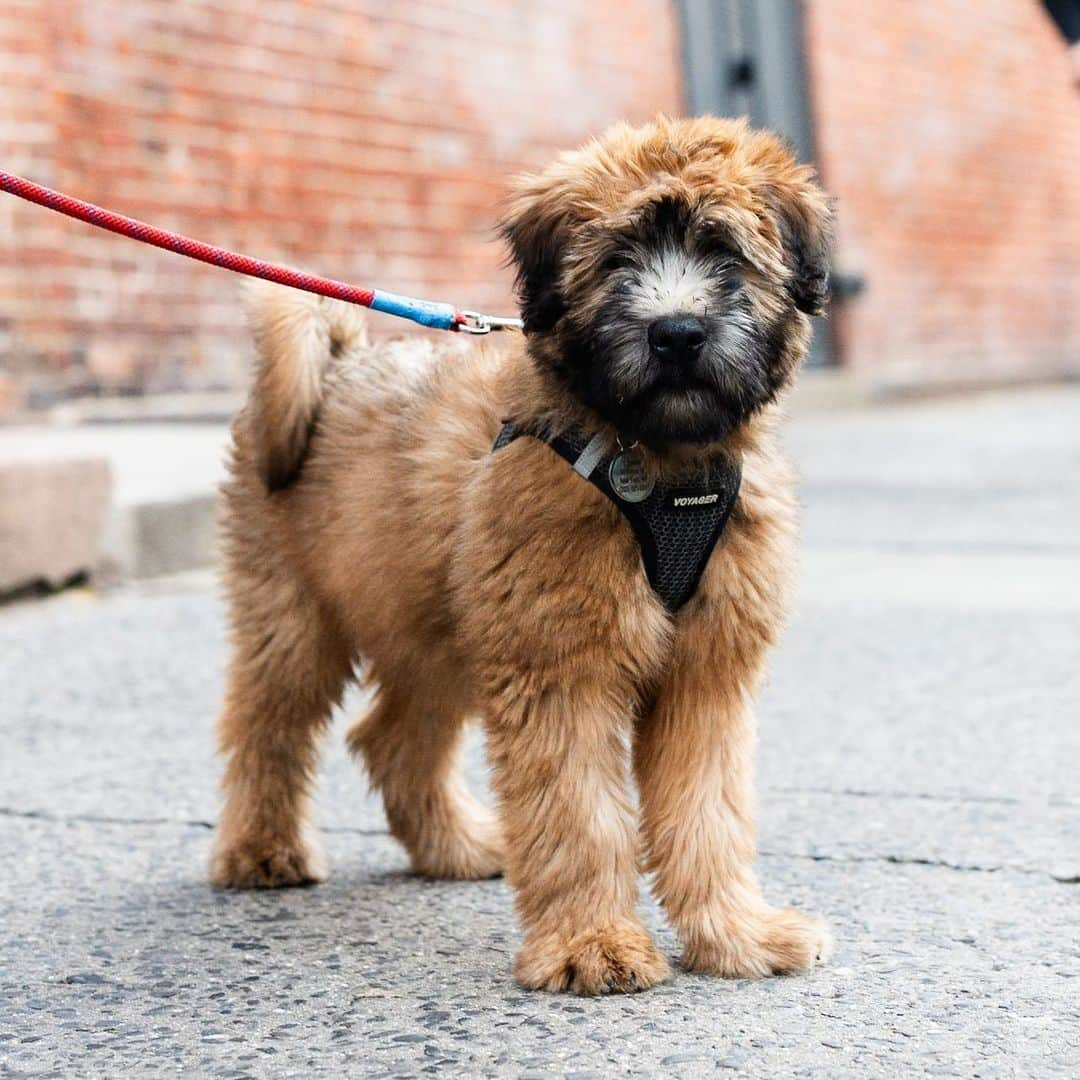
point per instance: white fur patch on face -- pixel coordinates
(672, 282)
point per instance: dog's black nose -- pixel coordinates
(677, 337)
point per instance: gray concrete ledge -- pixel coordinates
(52, 519)
(117, 502)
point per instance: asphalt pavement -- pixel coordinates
(919, 786)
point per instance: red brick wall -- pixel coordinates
(371, 141)
(950, 131)
(365, 140)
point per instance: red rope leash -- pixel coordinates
(428, 313)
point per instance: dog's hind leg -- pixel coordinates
(288, 669)
(410, 741)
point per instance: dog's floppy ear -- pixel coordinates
(804, 217)
(535, 224)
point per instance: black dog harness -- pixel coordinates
(677, 526)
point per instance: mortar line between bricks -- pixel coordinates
(896, 860)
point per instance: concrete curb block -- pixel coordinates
(53, 516)
(153, 539)
(120, 502)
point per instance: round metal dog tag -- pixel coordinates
(631, 475)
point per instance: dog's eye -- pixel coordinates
(731, 281)
(615, 260)
(717, 244)
(721, 250)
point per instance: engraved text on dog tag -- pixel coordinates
(631, 475)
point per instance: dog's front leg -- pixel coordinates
(559, 767)
(693, 756)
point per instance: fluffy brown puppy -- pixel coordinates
(665, 274)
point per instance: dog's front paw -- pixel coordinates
(761, 943)
(617, 958)
(267, 865)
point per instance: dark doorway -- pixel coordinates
(747, 58)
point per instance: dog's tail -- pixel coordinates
(296, 335)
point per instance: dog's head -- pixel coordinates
(665, 272)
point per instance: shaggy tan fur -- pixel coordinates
(367, 520)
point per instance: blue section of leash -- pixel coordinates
(430, 313)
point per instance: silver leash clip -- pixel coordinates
(474, 322)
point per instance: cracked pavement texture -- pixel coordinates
(918, 785)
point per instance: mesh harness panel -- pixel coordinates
(677, 526)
